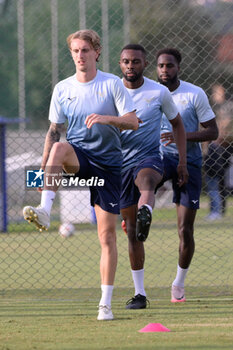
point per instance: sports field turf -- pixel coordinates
(64, 324)
(49, 290)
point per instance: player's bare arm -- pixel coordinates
(208, 133)
(125, 122)
(53, 135)
(180, 140)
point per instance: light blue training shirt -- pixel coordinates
(73, 101)
(151, 100)
(194, 108)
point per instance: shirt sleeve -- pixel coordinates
(123, 101)
(56, 114)
(203, 110)
(168, 105)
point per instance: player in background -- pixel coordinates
(195, 110)
(96, 106)
(142, 164)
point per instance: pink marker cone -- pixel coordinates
(154, 327)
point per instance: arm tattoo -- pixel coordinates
(53, 135)
(54, 132)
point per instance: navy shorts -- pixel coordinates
(130, 193)
(107, 196)
(189, 194)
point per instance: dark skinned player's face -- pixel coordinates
(167, 69)
(132, 63)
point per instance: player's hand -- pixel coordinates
(167, 137)
(183, 174)
(96, 118)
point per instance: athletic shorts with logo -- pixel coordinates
(107, 196)
(189, 194)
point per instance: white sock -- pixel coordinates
(47, 198)
(149, 207)
(138, 279)
(106, 297)
(180, 277)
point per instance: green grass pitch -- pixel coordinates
(49, 290)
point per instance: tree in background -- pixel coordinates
(195, 30)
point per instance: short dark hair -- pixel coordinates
(170, 51)
(134, 47)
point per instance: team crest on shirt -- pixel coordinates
(183, 102)
(149, 100)
(101, 96)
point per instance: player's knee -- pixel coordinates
(186, 234)
(107, 237)
(148, 183)
(131, 230)
(60, 149)
(57, 151)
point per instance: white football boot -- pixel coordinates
(105, 313)
(38, 216)
(177, 294)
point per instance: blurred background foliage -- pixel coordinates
(196, 28)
